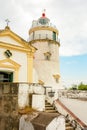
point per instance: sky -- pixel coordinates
(70, 18)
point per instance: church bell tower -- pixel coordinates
(44, 36)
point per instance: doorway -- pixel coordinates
(6, 76)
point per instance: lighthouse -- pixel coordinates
(43, 35)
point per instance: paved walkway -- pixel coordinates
(78, 107)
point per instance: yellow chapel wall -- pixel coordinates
(21, 58)
(25, 72)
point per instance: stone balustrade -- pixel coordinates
(74, 94)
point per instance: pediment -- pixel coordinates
(8, 63)
(9, 37)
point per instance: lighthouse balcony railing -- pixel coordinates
(44, 37)
(35, 24)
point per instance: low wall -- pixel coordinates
(9, 118)
(75, 94)
(10, 102)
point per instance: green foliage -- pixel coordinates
(74, 87)
(82, 86)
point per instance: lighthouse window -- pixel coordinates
(47, 55)
(43, 21)
(33, 35)
(54, 36)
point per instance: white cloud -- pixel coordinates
(69, 16)
(67, 83)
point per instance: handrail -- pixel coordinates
(81, 123)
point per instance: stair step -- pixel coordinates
(69, 128)
(48, 105)
(68, 124)
(50, 109)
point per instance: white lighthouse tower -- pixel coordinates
(44, 36)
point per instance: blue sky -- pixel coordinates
(73, 69)
(70, 18)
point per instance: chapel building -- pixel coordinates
(33, 61)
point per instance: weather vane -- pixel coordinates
(7, 21)
(43, 13)
(44, 10)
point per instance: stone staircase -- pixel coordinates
(51, 109)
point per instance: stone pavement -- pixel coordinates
(78, 107)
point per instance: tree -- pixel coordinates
(74, 87)
(82, 86)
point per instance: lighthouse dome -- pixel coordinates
(43, 20)
(43, 29)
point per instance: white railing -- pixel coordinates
(43, 36)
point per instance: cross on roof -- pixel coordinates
(7, 21)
